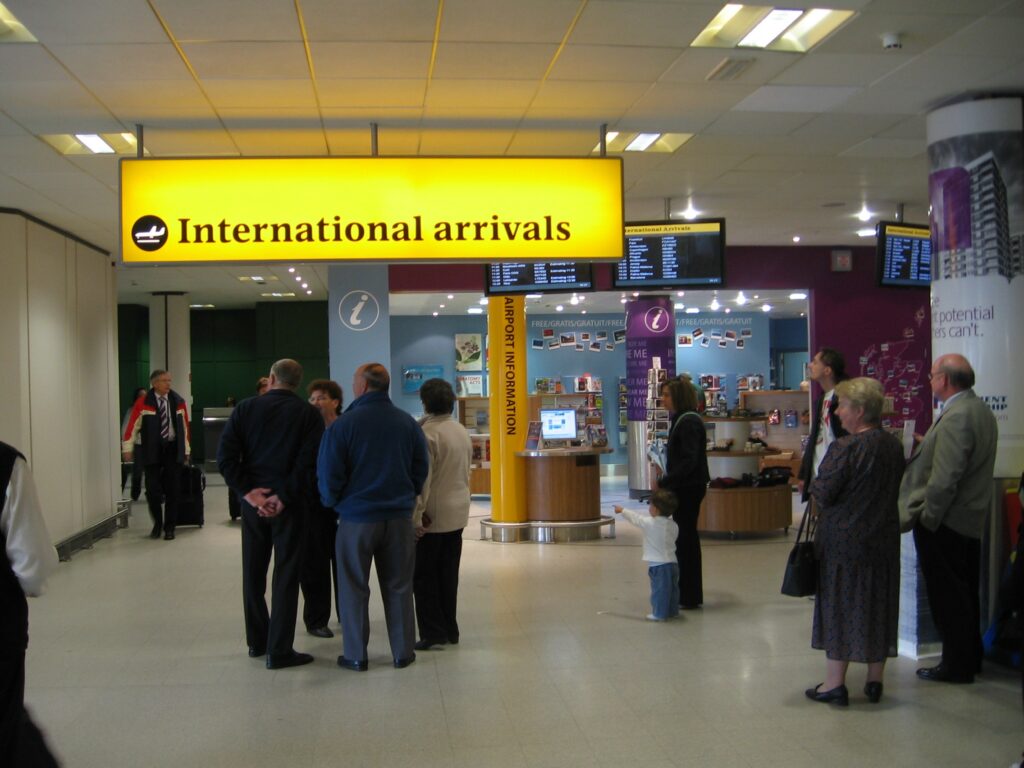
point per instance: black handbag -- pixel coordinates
(801, 577)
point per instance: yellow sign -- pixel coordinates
(509, 407)
(674, 229)
(370, 209)
(896, 230)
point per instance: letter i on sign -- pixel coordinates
(354, 317)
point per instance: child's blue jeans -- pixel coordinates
(664, 589)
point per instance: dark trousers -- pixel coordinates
(436, 585)
(319, 568)
(21, 743)
(281, 536)
(691, 580)
(951, 566)
(163, 488)
(391, 546)
(132, 469)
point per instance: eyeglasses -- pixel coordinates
(933, 374)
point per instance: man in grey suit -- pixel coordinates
(946, 494)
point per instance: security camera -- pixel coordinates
(891, 41)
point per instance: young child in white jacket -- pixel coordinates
(660, 532)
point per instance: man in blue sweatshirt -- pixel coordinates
(372, 465)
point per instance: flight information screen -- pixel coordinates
(539, 277)
(904, 254)
(672, 254)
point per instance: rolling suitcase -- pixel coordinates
(190, 504)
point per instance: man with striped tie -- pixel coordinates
(160, 418)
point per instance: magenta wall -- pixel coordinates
(882, 332)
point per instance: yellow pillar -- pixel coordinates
(509, 406)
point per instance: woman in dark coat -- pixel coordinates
(858, 545)
(686, 475)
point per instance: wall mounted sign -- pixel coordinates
(370, 209)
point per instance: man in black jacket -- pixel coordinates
(828, 368)
(267, 456)
(160, 420)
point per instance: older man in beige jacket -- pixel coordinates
(945, 496)
(442, 511)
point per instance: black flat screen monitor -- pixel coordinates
(672, 254)
(904, 254)
(538, 277)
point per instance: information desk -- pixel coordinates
(563, 484)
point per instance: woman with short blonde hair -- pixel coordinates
(866, 394)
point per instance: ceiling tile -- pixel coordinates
(371, 93)
(279, 120)
(27, 62)
(696, 64)
(844, 127)
(501, 61)
(685, 108)
(247, 60)
(148, 61)
(842, 69)
(524, 21)
(611, 22)
(918, 32)
(480, 94)
(886, 148)
(269, 95)
(552, 142)
(369, 20)
(54, 107)
(596, 98)
(96, 21)
(945, 74)
(612, 63)
(371, 60)
(288, 143)
(737, 123)
(795, 98)
(230, 20)
(985, 37)
(465, 142)
(169, 142)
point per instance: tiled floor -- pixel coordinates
(137, 658)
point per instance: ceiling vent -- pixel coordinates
(730, 69)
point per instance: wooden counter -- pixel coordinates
(563, 484)
(746, 510)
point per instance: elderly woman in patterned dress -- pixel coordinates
(858, 545)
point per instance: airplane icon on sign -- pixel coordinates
(153, 235)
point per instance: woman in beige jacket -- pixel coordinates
(442, 511)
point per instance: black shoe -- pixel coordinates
(403, 663)
(255, 653)
(429, 645)
(293, 659)
(355, 666)
(838, 695)
(453, 639)
(940, 673)
(155, 533)
(169, 536)
(873, 690)
(693, 607)
(323, 632)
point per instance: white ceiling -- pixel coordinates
(795, 146)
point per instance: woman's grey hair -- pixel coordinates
(865, 393)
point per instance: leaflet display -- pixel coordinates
(538, 277)
(904, 254)
(672, 254)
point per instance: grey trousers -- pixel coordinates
(392, 547)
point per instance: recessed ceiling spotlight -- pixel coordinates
(451, 296)
(864, 214)
(756, 296)
(291, 269)
(866, 232)
(690, 213)
(728, 310)
(435, 314)
(309, 293)
(680, 294)
(798, 296)
(298, 278)
(796, 238)
(305, 285)
(714, 305)
(475, 310)
(766, 307)
(440, 306)
(741, 298)
(623, 300)
(635, 294)
(574, 301)
(583, 312)
(559, 308)
(484, 300)
(679, 305)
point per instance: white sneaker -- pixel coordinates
(652, 617)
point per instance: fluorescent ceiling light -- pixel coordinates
(870, 232)
(201, 306)
(797, 296)
(484, 300)
(714, 305)
(741, 298)
(679, 306)
(692, 310)
(533, 296)
(12, 30)
(864, 214)
(775, 29)
(475, 310)
(770, 27)
(642, 142)
(95, 144)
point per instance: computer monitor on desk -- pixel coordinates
(558, 425)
